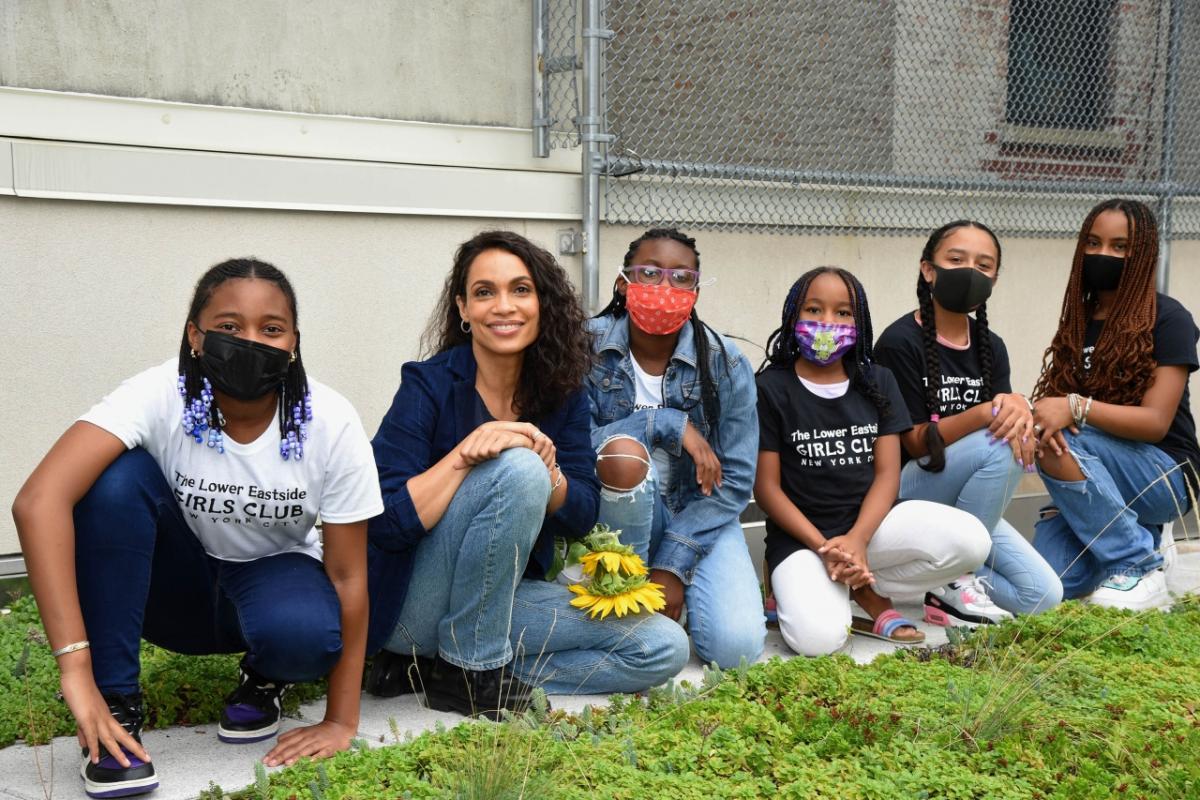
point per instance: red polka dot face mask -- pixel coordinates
(658, 309)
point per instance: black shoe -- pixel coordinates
(252, 710)
(108, 778)
(394, 674)
(482, 693)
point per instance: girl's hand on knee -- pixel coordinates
(313, 741)
(1012, 418)
(845, 559)
(1025, 451)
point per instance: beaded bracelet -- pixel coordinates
(70, 648)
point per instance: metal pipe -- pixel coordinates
(1167, 177)
(541, 97)
(592, 136)
(686, 169)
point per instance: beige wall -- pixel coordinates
(463, 61)
(90, 293)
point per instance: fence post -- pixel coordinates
(541, 96)
(593, 136)
(1170, 112)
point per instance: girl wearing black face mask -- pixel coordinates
(1117, 443)
(182, 508)
(972, 435)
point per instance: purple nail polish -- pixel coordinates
(995, 411)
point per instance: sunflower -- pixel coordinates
(646, 594)
(629, 563)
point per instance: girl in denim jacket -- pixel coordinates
(675, 429)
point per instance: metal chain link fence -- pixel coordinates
(557, 72)
(894, 116)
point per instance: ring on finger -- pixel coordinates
(1037, 428)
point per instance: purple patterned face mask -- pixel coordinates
(824, 342)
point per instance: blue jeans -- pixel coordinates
(141, 572)
(1111, 522)
(465, 572)
(724, 603)
(563, 650)
(980, 478)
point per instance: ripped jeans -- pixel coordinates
(724, 603)
(1110, 523)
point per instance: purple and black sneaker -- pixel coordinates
(108, 778)
(252, 710)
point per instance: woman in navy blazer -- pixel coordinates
(485, 460)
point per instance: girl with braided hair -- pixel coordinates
(182, 509)
(1117, 442)
(673, 424)
(828, 475)
(972, 435)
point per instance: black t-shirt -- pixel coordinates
(1175, 335)
(901, 348)
(826, 449)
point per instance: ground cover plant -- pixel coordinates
(1078, 703)
(179, 690)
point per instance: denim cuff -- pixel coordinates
(678, 556)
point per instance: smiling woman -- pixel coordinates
(486, 467)
(168, 512)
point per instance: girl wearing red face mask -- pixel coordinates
(675, 429)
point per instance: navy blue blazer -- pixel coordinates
(435, 408)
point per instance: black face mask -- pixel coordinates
(962, 289)
(1101, 273)
(240, 368)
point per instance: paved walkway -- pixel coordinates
(188, 758)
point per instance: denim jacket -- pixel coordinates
(435, 409)
(696, 519)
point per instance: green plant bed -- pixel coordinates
(178, 689)
(1077, 703)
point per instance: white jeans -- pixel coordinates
(919, 545)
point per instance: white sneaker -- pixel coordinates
(1132, 592)
(963, 601)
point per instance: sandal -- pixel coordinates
(885, 626)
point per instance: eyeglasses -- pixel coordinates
(651, 275)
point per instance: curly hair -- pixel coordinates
(982, 344)
(710, 399)
(557, 362)
(783, 349)
(1123, 362)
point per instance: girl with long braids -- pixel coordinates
(486, 465)
(828, 475)
(972, 435)
(1117, 440)
(182, 508)
(673, 423)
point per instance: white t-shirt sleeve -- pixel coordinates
(351, 492)
(135, 411)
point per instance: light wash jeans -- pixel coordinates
(980, 478)
(918, 546)
(724, 604)
(1110, 523)
(465, 572)
(563, 650)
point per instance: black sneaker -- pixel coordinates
(252, 710)
(393, 674)
(482, 693)
(108, 778)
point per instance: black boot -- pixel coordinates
(108, 778)
(394, 674)
(476, 693)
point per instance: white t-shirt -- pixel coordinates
(247, 502)
(830, 391)
(648, 393)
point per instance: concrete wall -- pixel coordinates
(429, 61)
(90, 293)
